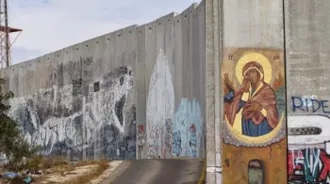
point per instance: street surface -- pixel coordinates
(174, 171)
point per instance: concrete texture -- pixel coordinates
(155, 90)
(134, 93)
(251, 27)
(307, 50)
(79, 102)
(158, 172)
(213, 36)
(173, 51)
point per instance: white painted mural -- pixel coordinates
(160, 108)
(80, 120)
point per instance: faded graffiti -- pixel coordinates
(141, 135)
(160, 108)
(80, 121)
(187, 129)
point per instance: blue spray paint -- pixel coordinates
(187, 129)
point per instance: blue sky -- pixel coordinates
(49, 25)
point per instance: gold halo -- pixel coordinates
(253, 56)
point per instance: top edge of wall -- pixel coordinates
(132, 28)
(192, 9)
(162, 19)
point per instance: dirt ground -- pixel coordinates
(91, 173)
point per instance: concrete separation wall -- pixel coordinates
(307, 48)
(79, 101)
(173, 51)
(288, 44)
(133, 93)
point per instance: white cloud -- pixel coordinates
(49, 25)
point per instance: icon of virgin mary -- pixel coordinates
(254, 104)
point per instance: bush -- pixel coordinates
(12, 143)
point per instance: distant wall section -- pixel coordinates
(134, 93)
(79, 102)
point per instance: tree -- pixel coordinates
(12, 143)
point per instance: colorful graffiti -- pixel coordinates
(309, 165)
(80, 121)
(308, 155)
(187, 129)
(160, 108)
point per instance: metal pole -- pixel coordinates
(6, 33)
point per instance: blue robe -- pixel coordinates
(248, 127)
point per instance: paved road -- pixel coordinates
(185, 171)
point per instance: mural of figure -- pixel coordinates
(160, 107)
(254, 104)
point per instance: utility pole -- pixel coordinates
(5, 30)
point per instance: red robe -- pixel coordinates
(265, 97)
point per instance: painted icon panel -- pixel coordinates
(254, 97)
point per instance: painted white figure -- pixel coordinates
(160, 106)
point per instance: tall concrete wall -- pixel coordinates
(172, 49)
(134, 93)
(79, 101)
(254, 134)
(307, 51)
(288, 42)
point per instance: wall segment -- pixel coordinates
(167, 89)
(308, 90)
(133, 93)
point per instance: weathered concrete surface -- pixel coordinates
(158, 172)
(250, 26)
(213, 38)
(138, 88)
(307, 25)
(79, 101)
(173, 75)
(307, 49)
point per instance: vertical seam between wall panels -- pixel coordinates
(285, 74)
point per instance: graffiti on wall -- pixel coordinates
(141, 135)
(81, 120)
(309, 149)
(160, 108)
(309, 165)
(171, 132)
(187, 129)
(312, 105)
(254, 96)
